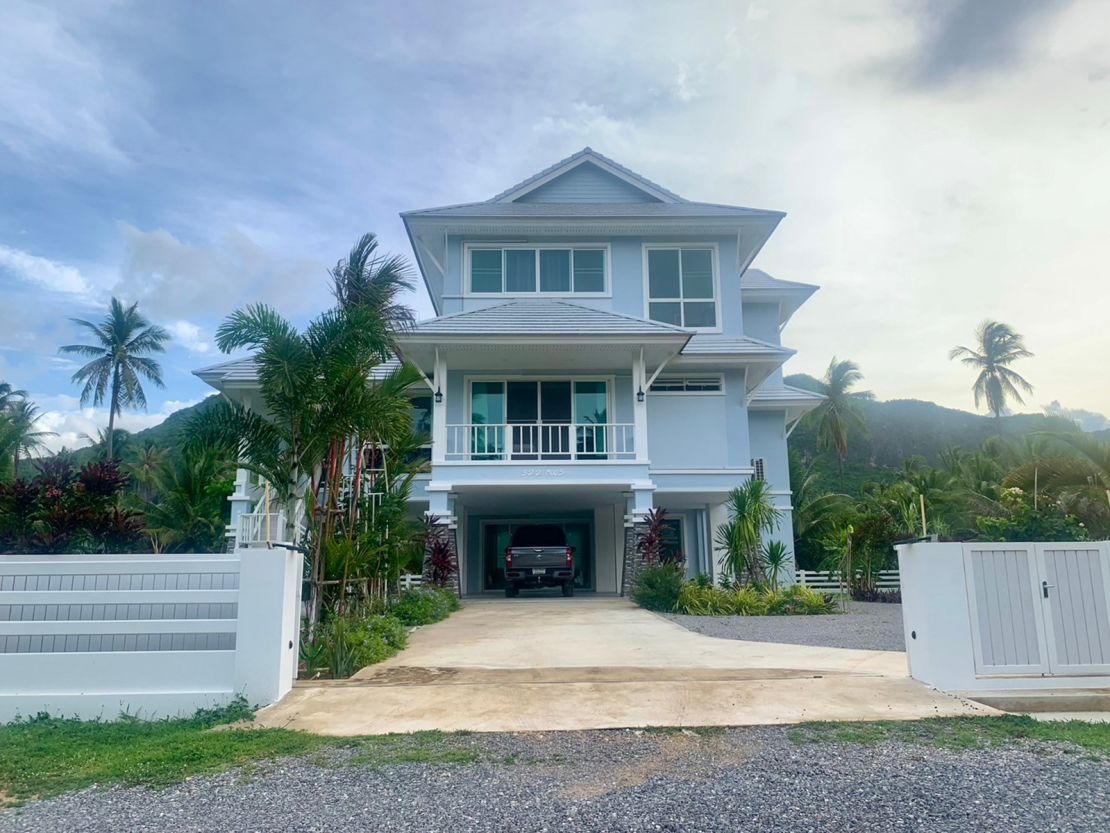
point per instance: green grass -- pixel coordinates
(963, 733)
(45, 756)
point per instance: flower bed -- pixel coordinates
(663, 588)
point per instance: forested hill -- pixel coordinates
(902, 428)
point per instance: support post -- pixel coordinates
(639, 409)
(439, 410)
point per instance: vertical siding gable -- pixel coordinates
(587, 183)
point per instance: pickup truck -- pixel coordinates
(538, 556)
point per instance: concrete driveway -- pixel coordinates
(537, 664)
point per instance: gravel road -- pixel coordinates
(755, 779)
(875, 626)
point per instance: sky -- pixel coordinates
(940, 162)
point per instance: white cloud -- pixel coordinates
(189, 334)
(49, 274)
(74, 425)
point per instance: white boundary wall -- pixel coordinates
(983, 617)
(93, 636)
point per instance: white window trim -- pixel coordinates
(715, 259)
(607, 292)
(673, 376)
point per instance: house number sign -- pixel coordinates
(542, 472)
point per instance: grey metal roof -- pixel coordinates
(542, 317)
(707, 344)
(578, 210)
(757, 279)
(585, 154)
(245, 370)
(785, 394)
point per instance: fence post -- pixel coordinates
(268, 631)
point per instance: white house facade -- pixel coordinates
(600, 347)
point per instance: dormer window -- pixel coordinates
(682, 286)
(530, 270)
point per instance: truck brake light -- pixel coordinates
(570, 556)
(508, 558)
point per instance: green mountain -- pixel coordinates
(902, 428)
(166, 434)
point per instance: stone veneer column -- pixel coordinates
(633, 561)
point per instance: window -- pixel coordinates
(687, 384)
(681, 287)
(528, 271)
(672, 547)
(758, 472)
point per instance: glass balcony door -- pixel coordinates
(538, 420)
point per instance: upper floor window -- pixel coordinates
(528, 270)
(682, 287)
(688, 384)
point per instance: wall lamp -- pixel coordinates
(640, 395)
(439, 396)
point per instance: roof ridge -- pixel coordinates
(583, 154)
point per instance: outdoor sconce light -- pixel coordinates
(640, 395)
(439, 396)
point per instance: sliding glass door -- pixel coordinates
(533, 419)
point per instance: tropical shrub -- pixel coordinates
(424, 605)
(344, 644)
(696, 599)
(440, 556)
(658, 587)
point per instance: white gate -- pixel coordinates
(1039, 608)
(1075, 580)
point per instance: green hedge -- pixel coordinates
(424, 605)
(664, 588)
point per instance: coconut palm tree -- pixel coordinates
(187, 509)
(120, 356)
(839, 413)
(998, 346)
(751, 512)
(23, 416)
(9, 395)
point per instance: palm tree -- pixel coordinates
(839, 413)
(815, 512)
(374, 282)
(321, 408)
(23, 416)
(751, 512)
(998, 347)
(9, 395)
(187, 508)
(120, 356)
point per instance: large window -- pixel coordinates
(525, 271)
(682, 288)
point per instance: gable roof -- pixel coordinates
(245, 372)
(757, 279)
(542, 317)
(584, 156)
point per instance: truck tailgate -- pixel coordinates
(535, 557)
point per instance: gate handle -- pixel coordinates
(1044, 588)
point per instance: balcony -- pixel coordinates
(534, 442)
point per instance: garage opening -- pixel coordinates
(496, 533)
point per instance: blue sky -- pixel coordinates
(940, 161)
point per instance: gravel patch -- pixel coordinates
(755, 779)
(875, 626)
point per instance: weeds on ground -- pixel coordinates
(45, 756)
(963, 733)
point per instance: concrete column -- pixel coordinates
(267, 633)
(718, 514)
(639, 409)
(439, 410)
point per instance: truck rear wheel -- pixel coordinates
(511, 592)
(568, 589)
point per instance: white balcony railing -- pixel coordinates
(562, 441)
(261, 528)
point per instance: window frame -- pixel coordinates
(686, 377)
(714, 260)
(537, 247)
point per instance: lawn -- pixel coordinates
(43, 757)
(964, 733)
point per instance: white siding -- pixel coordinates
(587, 183)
